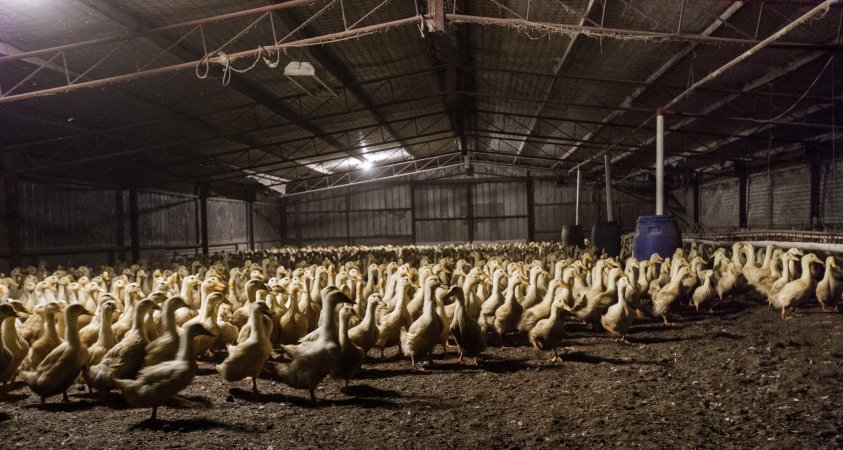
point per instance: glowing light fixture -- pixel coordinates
(367, 165)
(303, 75)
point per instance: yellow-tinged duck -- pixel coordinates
(12, 348)
(509, 313)
(208, 318)
(60, 368)
(125, 359)
(248, 357)
(106, 340)
(49, 338)
(157, 384)
(620, 316)
(312, 360)
(829, 289)
(548, 333)
(418, 341)
(166, 345)
(799, 289)
(365, 334)
(390, 325)
(352, 356)
(471, 340)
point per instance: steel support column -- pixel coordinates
(695, 184)
(204, 193)
(134, 231)
(469, 196)
(250, 219)
(119, 229)
(814, 154)
(531, 208)
(742, 171)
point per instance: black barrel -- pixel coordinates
(572, 235)
(656, 234)
(606, 236)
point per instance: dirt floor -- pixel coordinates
(739, 378)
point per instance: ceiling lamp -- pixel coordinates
(303, 75)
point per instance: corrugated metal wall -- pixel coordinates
(268, 224)
(831, 194)
(67, 224)
(227, 222)
(453, 210)
(167, 220)
(719, 205)
(441, 213)
(500, 211)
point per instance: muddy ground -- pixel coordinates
(739, 378)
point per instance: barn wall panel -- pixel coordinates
(227, 222)
(167, 219)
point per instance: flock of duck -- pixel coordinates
(299, 315)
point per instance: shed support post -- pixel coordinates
(531, 209)
(134, 232)
(413, 211)
(742, 171)
(659, 163)
(204, 193)
(13, 219)
(250, 220)
(695, 184)
(119, 229)
(470, 201)
(814, 154)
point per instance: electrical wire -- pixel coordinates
(801, 97)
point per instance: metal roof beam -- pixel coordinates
(557, 68)
(324, 57)
(667, 65)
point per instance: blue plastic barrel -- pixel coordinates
(655, 234)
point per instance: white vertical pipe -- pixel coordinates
(659, 163)
(609, 208)
(577, 210)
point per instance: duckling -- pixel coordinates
(352, 356)
(131, 295)
(728, 282)
(125, 359)
(312, 360)
(470, 339)
(157, 384)
(548, 333)
(12, 349)
(365, 334)
(419, 340)
(248, 357)
(106, 340)
(704, 293)
(59, 369)
(49, 339)
(619, 317)
(829, 288)
(166, 345)
(799, 289)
